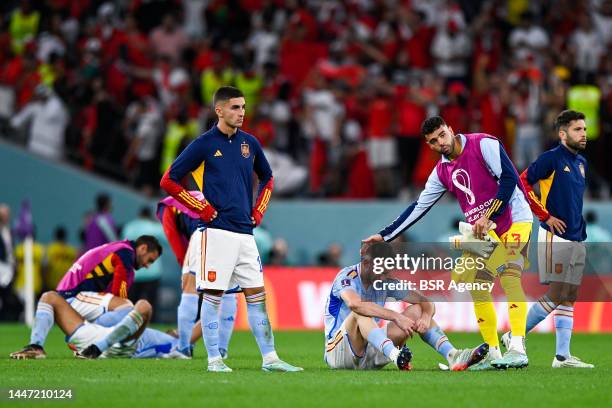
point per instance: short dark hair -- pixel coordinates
(225, 93)
(145, 212)
(430, 125)
(103, 201)
(566, 117)
(151, 242)
(590, 217)
(60, 233)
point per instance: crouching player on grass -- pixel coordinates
(89, 340)
(354, 308)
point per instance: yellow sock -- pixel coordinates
(517, 307)
(486, 317)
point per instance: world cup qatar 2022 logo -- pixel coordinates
(461, 180)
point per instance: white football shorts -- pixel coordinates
(560, 260)
(90, 305)
(339, 354)
(223, 259)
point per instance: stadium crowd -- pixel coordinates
(336, 91)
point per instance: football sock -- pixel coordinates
(538, 312)
(187, 314)
(43, 322)
(124, 329)
(209, 319)
(517, 306)
(486, 316)
(109, 319)
(154, 344)
(436, 338)
(379, 339)
(564, 323)
(229, 306)
(259, 322)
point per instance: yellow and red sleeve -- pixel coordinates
(177, 191)
(534, 202)
(119, 287)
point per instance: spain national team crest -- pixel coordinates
(246, 150)
(581, 166)
(212, 276)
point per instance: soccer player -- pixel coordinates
(352, 313)
(223, 253)
(477, 171)
(561, 251)
(179, 223)
(99, 280)
(90, 340)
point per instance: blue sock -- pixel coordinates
(229, 306)
(436, 338)
(379, 339)
(187, 314)
(259, 322)
(538, 312)
(124, 329)
(564, 324)
(43, 322)
(109, 319)
(209, 319)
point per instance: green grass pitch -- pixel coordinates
(184, 383)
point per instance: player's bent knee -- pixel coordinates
(49, 296)
(143, 307)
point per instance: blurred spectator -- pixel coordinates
(527, 111)
(169, 40)
(595, 232)
(23, 26)
(528, 39)
(46, 119)
(382, 151)
(38, 255)
(323, 114)
(179, 133)
(146, 280)
(8, 302)
(59, 257)
(451, 49)
(279, 254)
(144, 123)
(587, 47)
(101, 227)
(331, 256)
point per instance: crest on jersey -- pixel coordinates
(581, 166)
(245, 150)
(352, 274)
(212, 276)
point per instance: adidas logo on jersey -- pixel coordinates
(218, 153)
(566, 169)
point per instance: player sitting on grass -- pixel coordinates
(90, 340)
(98, 282)
(354, 309)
